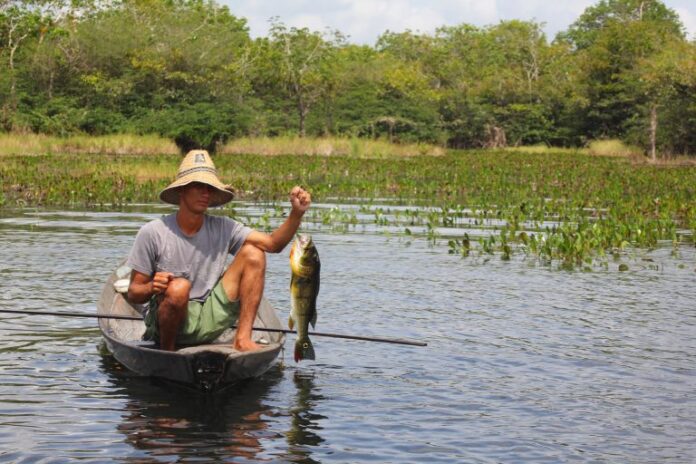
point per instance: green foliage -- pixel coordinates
(187, 69)
(584, 32)
(199, 125)
(526, 124)
(617, 42)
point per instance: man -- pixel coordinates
(178, 261)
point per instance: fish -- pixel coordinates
(304, 288)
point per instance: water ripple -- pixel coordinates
(524, 364)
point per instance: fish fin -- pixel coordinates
(291, 322)
(304, 349)
(316, 293)
(313, 321)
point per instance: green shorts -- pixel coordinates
(205, 321)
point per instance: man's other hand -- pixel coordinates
(160, 282)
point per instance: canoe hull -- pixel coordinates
(206, 368)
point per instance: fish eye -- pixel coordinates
(306, 345)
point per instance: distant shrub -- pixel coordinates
(59, 116)
(199, 125)
(101, 121)
(524, 124)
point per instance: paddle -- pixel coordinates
(396, 341)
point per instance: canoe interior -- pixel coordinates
(209, 367)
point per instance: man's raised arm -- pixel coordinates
(276, 241)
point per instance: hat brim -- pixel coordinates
(220, 196)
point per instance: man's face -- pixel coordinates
(195, 197)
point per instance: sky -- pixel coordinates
(365, 20)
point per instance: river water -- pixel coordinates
(524, 363)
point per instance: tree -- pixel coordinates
(303, 58)
(19, 21)
(661, 75)
(610, 40)
(493, 83)
(177, 56)
(585, 31)
(187, 69)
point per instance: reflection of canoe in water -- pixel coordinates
(208, 368)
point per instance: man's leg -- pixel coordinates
(172, 311)
(244, 280)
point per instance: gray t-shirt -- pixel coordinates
(161, 246)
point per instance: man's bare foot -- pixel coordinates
(245, 345)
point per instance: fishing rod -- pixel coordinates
(396, 341)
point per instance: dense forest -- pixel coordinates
(189, 70)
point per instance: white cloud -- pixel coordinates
(365, 20)
(689, 19)
(368, 19)
(312, 22)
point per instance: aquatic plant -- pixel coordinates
(570, 208)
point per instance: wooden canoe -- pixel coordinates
(206, 368)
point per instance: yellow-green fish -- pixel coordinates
(304, 288)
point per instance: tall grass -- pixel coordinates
(613, 147)
(119, 144)
(327, 146)
(545, 149)
(128, 144)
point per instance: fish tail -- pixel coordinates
(304, 349)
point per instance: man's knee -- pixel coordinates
(253, 257)
(177, 293)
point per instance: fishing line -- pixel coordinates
(396, 341)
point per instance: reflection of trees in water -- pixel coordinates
(304, 427)
(166, 423)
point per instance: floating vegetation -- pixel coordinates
(572, 209)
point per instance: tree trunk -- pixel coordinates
(303, 116)
(302, 125)
(13, 79)
(329, 120)
(13, 44)
(50, 85)
(301, 113)
(495, 137)
(653, 132)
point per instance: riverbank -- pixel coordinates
(14, 144)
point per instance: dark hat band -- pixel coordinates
(196, 169)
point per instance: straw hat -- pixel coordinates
(197, 167)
